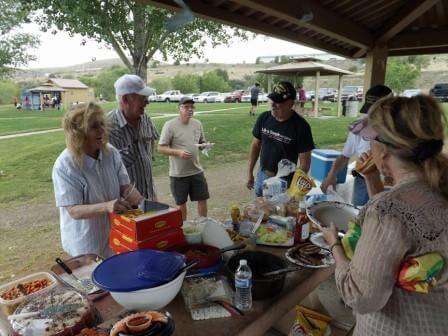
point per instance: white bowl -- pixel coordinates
(152, 298)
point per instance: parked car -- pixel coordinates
(235, 96)
(206, 97)
(169, 96)
(440, 92)
(411, 93)
(309, 95)
(222, 97)
(352, 93)
(328, 94)
(262, 98)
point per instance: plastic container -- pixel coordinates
(9, 306)
(321, 162)
(151, 298)
(243, 286)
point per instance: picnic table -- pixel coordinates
(263, 315)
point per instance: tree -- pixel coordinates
(401, 75)
(186, 83)
(103, 83)
(161, 84)
(132, 27)
(14, 47)
(211, 81)
(8, 91)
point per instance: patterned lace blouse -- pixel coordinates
(409, 220)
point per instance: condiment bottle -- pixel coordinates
(302, 225)
(236, 217)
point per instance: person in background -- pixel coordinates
(279, 134)
(301, 99)
(90, 181)
(132, 132)
(407, 137)
(254, 92)
(181, 139)
(355, 146)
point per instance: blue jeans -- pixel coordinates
(360, 195)
(259, 179)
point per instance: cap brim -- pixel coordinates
(147, 91)
(275, 98)
(365, 108)
(186, 101)
(362, 128)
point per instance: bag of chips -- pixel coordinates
(301, 184)
(309, 323)
(418, 274)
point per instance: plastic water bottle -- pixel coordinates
(243, 286)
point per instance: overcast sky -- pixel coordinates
(63, 50)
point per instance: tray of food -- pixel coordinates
(324, 213)
(271, 234)
(15, 292)
(309, 255)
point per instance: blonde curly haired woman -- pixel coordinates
(89, 179)
(407, 137)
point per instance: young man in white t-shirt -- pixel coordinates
(355, 146)
(181, 139)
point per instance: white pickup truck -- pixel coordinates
(169, 96)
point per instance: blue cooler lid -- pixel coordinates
(136, 270)
(327, 153)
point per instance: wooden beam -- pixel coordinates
(217, 3)
(405, 16)
(375, 69)
(419, 51)
(316, 95)
(339, 95)
(208, 12)
(422, 39)
(322, 20)
(360, 53)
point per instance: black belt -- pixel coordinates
(356, 174)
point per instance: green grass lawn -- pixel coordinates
(26, 162)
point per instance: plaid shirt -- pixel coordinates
(136, 147)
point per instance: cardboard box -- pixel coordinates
(148, 224)
(120, 242)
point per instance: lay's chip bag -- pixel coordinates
(309, 323)
(301, 184)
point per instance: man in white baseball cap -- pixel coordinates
(132, 132)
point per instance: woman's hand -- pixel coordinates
(330, 234)
(117, 206)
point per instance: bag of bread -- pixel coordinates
(301, 184)
(309, 323)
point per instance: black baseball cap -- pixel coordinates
(373, 94)
(282, 92)
(185, 100)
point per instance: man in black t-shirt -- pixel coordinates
(279, 134)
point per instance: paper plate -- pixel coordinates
(318, 239)
(325, 213)
(327, 261)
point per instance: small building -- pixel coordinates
(66, 92)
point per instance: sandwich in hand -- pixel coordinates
(366, 166)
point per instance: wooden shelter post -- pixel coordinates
(269, 83)
(375, 71)
(339, 95)
(316, 95)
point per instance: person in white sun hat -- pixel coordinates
(132, 132)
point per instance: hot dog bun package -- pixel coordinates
(309, 323)
(301, 184)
